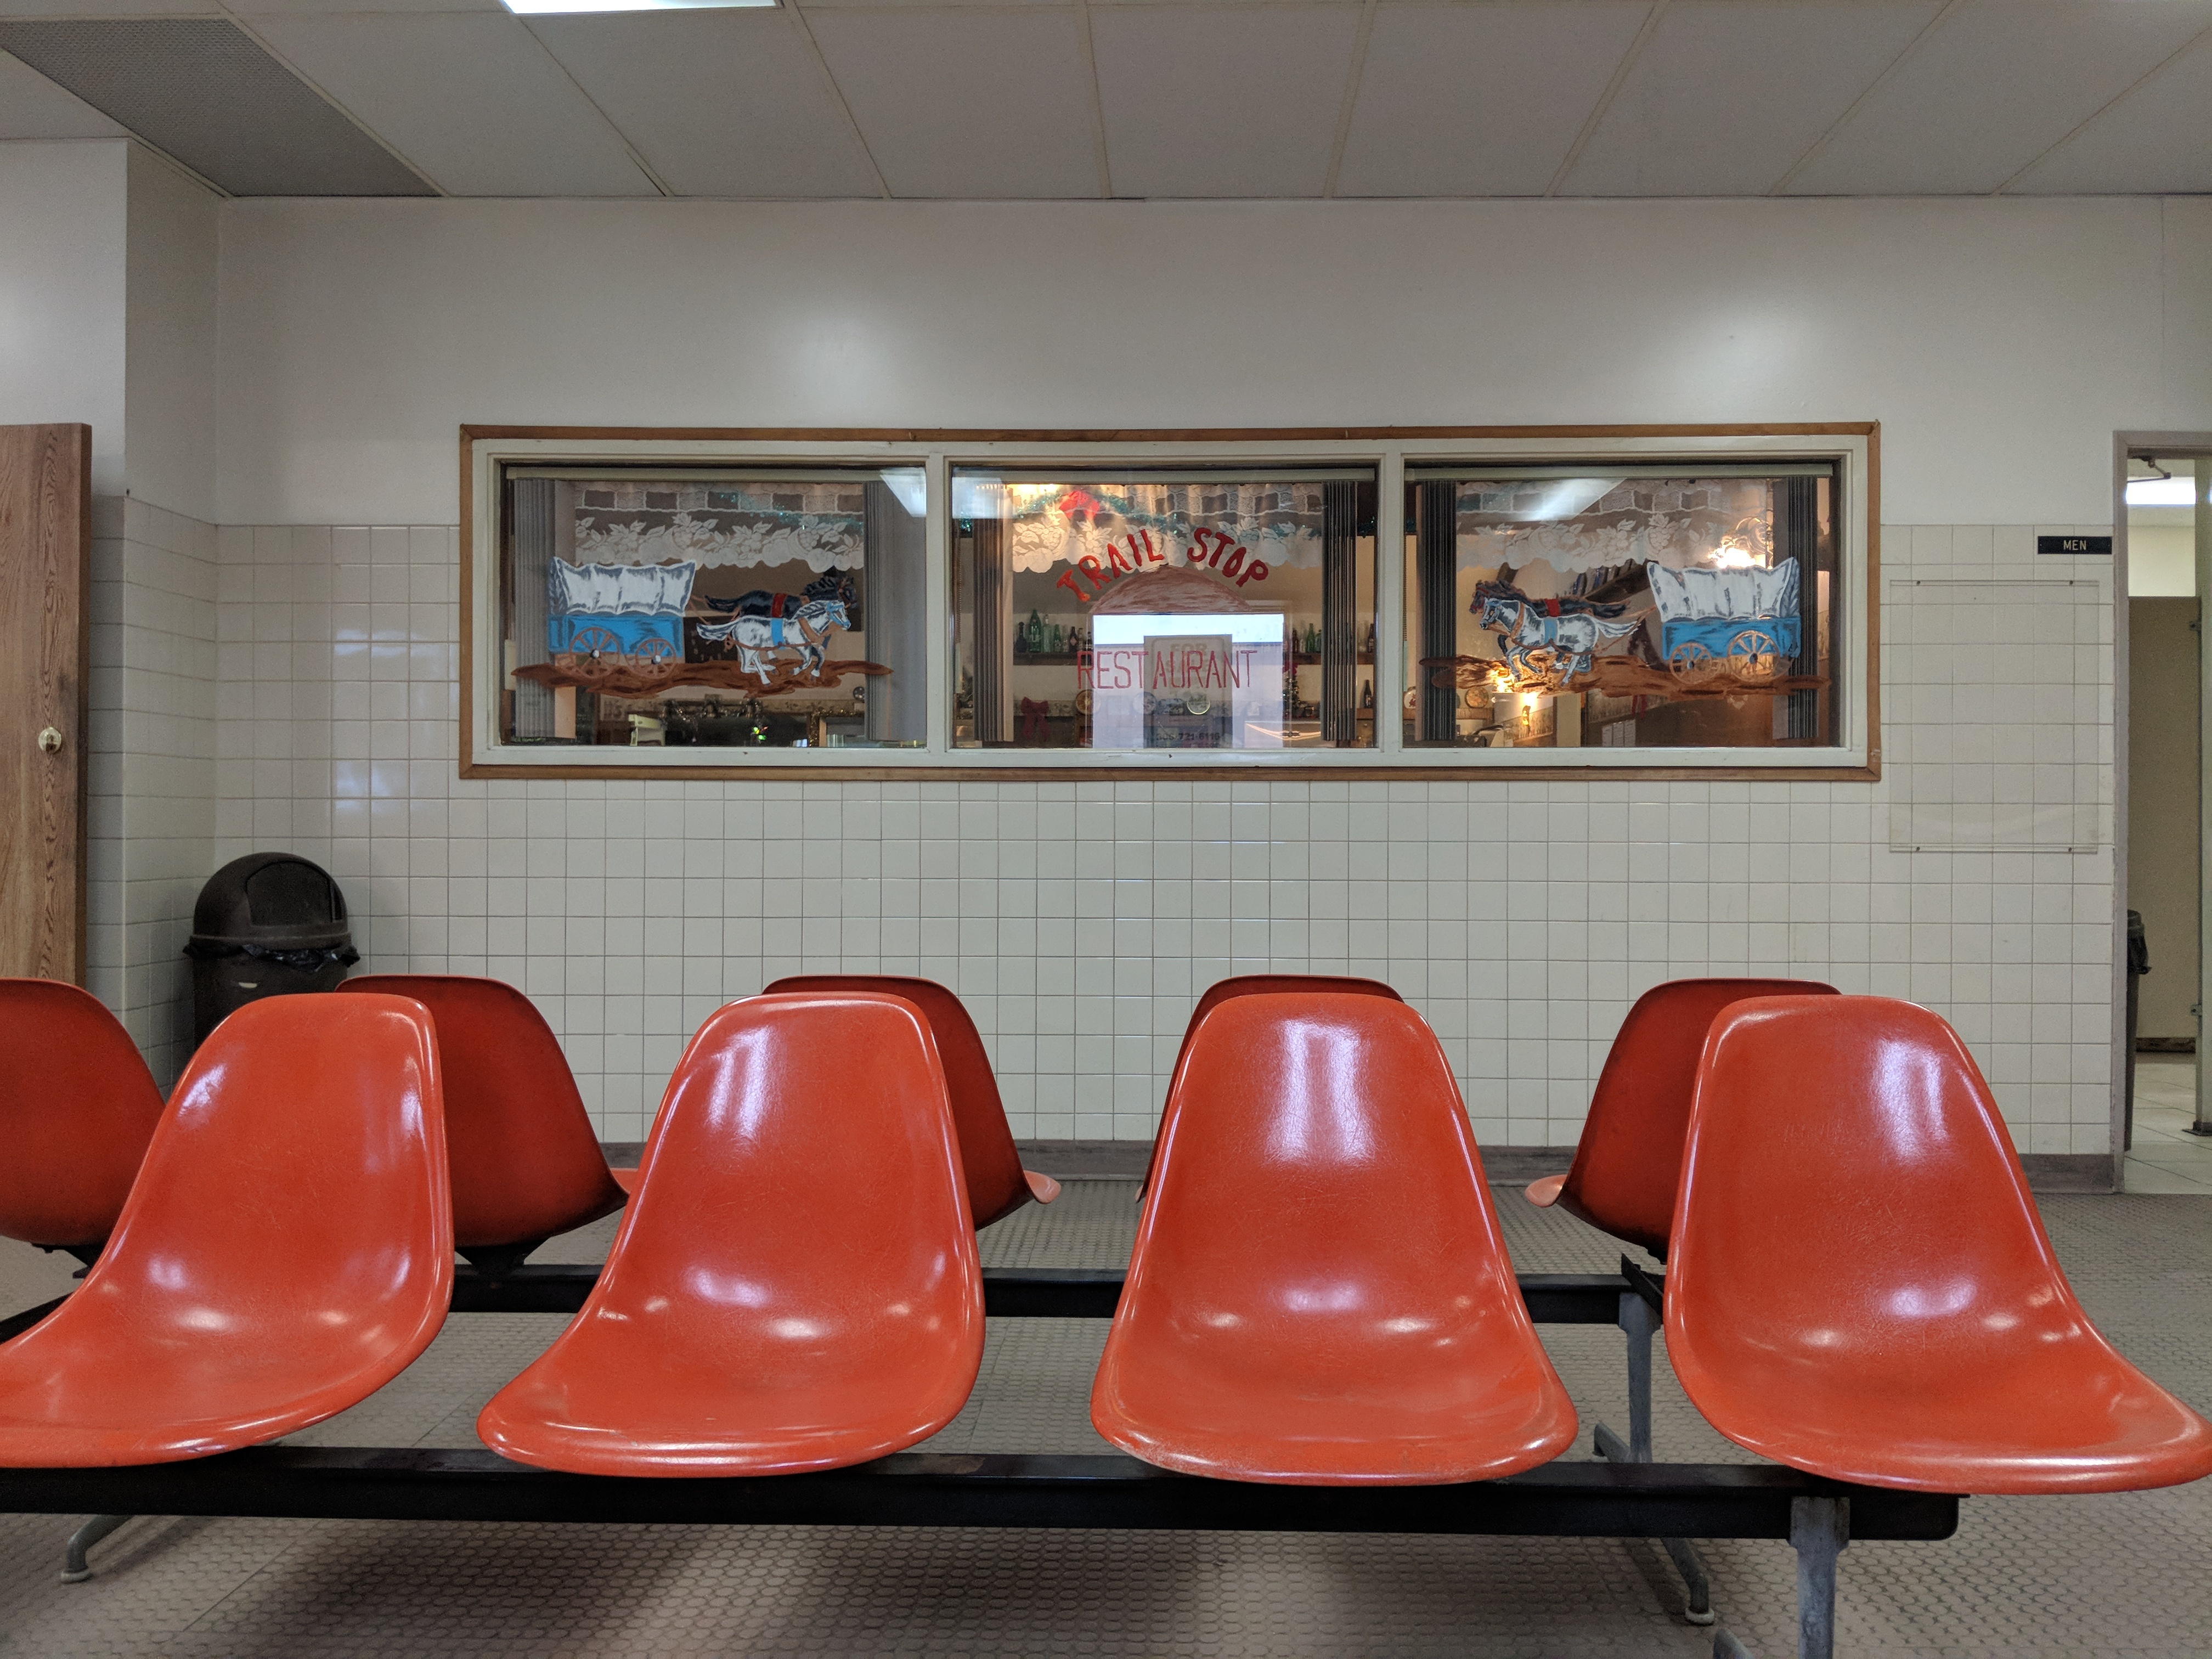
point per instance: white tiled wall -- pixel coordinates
(1079, 922)
(152, 763)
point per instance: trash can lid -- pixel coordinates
(271, 898)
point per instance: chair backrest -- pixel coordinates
(1319, 1207)
(291, 1219)
(1250, 985)
(1630, 1153)
(526, 1163)
(1855, 1225)
(78, 1107)
(996, 1187)
(806, 1156)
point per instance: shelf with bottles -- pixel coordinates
(1038, 640)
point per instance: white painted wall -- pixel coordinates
(2000, 342)
(169, 319)
(62, 218)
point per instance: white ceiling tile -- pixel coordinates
(32, 106)
(719, 103)
(474, 102)
(1480, 100)
(985, 102)
(328, 8)
(75, 9)
(1726, 94)
(1992, 86)
(2158, 138)
(1222, 100)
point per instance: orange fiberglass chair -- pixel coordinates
(1630, 1155)
(286, 1250)
(1319, 1293)
(526, 1163)
(997, 1183)
(1860, 1287)
(77, 1108)
(1249, 985)
(795, 1285)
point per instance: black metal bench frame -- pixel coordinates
(1606, 1499)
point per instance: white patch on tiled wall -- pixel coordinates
(1997, 704)
(1080, 921)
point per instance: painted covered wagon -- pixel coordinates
(617, 610)
(1744, 621)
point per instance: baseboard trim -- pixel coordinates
(1124, 1160)
(2068, 1172)
(1087, 1160)
(1506, 1166)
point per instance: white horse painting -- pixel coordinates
(1569, 632)
(760, 641)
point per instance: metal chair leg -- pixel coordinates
(1638, 1322)
(1819, 1527)
(74, 1570)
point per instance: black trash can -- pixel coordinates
(267, 925)
(2138, 965)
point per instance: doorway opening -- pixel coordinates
(2163, 1118)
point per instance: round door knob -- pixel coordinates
(51, 740)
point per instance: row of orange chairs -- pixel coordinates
(1859, 1286)
(79, 1106)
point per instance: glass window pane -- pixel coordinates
(714, 608)
(1636, 608)
(1164, 609)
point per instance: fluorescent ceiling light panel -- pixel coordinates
(547, 8)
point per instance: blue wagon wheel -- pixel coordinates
(655, 649)
(594, 641)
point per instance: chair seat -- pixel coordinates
(114, 1386)
(1398, 1411)
(2069, 1415)
(704, 1406)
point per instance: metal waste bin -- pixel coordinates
(2138, 965)
(267, 925)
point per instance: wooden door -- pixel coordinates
(45, 563)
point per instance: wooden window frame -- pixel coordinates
(1855, 446)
